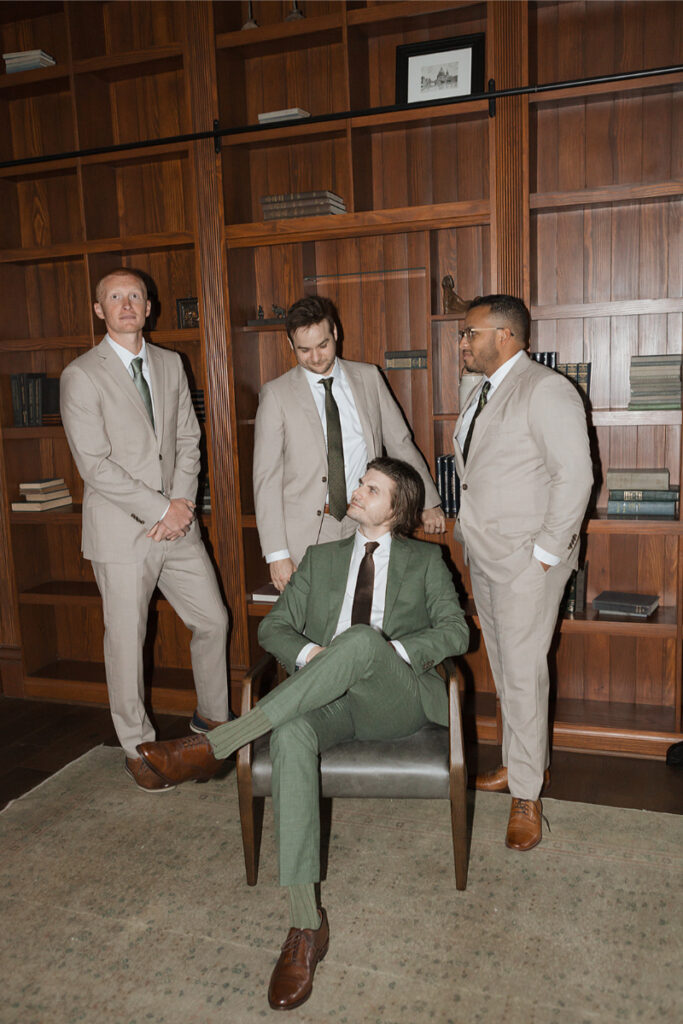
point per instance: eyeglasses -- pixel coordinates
(470, 332)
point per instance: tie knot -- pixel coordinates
(137, 366)
(371, 546)
(486, 387)
(326, 383)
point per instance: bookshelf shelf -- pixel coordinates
(601, 522)
(605, 194)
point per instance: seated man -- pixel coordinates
(364, 620)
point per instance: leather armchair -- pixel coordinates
(428, 765)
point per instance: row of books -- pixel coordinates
(406, 359)
(316, 203)
(26, 60)
(197, 396)
(448, 485)
(641, 492)
(655, 382)
(579, 373)
(35, 399)
(41, 495)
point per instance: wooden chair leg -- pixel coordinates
(457, 778)
(251, 819)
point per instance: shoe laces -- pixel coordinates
(527, 807)
(192, 741)
(292, 943)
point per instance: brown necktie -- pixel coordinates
(486, 387)
(365, 586)
(336, 482)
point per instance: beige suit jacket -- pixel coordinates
(528, 475)
(129, 472)
(290, 458)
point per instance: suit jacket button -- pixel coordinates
(324, 480)
(160, 457)
(319, 512)
(464, 487)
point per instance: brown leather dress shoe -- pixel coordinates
(144, 778)
(176, 761)
(524, 826)
(291, 982)
(496, 781)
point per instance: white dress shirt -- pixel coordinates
(353, 439)
(381, 559)
(495, 380)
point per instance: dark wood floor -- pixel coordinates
(37, 738)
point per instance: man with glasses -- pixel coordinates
(523, 458)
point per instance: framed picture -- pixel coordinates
(440, 70)
(188, 312)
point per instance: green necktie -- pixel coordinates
(336, 477)
(486, 387)
(142, 386)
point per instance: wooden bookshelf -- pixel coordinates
(570, 197)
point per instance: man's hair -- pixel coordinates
(119, 272)
(409, 493)
(312, 309)
(510, 308)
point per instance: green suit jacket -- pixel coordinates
(421, 610)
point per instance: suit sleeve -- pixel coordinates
(188, 433)
(557, 420)
(448, 633)
(398, 440)
(268, 469)
(86, 433)
(281, 633)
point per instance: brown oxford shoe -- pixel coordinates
(291, 982)
(176, 761)
(496, 781)
(144, 778)
(524, 826)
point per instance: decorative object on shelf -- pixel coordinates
(279, 312)
(578, 373)
(406, 359)
(316, 203)
(575, 594)
(188, 312)
(452, 303)
(448, 485)
(259, 314)
(619, 602)
(290, 114)
(440, 69)
(655, 382)
(295, 13)
(41, 495)
(26, 60)
(251, 21)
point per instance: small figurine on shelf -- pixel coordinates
(251, 21)
(259, 313)
(452, 303)
(294, 13)
(279, 312)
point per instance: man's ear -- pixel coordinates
(99, 312)
(148, 308)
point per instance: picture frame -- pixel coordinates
(187, 311)
(440, 70)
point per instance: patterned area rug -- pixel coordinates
(122, 907)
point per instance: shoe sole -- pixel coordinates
(300, 1002)
(523, 849)
(153, 792)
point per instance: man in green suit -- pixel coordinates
(360, 627)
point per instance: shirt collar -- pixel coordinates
(499, 375)
(384, 541)
(125, 354)
(314, 378)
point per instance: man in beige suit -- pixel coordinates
(134, 436)
(305, 474)
(523, 459)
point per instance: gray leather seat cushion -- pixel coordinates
(413, 767)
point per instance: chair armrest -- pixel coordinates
(251, 684)
(453, 674)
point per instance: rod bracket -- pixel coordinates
(492, 103)
(216, 136)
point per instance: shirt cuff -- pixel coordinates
(544, 556)
(303, 654)
(165, 511)
(277, 556)
(400, 650)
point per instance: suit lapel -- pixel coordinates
(156, 372)
(305, 401)
(361, 402)
(119, 374)
(489, 416)
(398, 563)
(340, 559)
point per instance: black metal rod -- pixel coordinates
(345, 115)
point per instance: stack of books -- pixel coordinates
(621, 603)
(655, 382)
(26, 60)
(641, 492)
(578, 373)
(301, 204)
(197, 397)
(35, 399)
(276, 116)
(41, 495)
(448, 485)
(267, 594)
